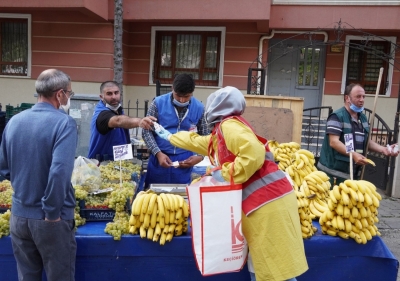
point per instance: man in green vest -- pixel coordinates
(334, 160)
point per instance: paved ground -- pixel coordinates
(389, 224)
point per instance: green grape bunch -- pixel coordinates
(112, 173)
(6, 192)
(80, 192)
(119, 225)
(78, 219)
(5, 223)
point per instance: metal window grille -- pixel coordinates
(14, 47)
(364, 63)
(195, 53)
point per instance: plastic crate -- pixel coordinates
(139, 149)
(100, 214)
(3, 210)
(11, 110)
(26, 105)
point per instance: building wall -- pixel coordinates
(241, 49)
(82, 46)
(77, 44)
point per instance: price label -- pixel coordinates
(348, 139)
(122, 152)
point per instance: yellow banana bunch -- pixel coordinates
(318, 206)
(307, 229)
(304, 157)
(272, 145)
(159, 217)
(283, 153)
(353, 211)
(296, 162)
(316, 186)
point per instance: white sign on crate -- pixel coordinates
(348, 139)
(122, 152)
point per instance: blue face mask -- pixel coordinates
(180, 104)
(356, 108)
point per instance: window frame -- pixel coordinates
(313, 61)
(391, 39)
(220, 71)
(29, 62)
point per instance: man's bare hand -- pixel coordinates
(359, 159)
(190, 162)
(390, 151)
(147, 122)
(163, 160)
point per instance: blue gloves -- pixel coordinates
(217, 175)
(161, 132)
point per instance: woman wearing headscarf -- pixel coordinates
(270, 220)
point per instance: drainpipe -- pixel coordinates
(273, 32)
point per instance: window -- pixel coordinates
(308, 67)
(363, 65)
(14, 45)
(196, 52)
(363, 61)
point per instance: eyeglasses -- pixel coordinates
(70, 93)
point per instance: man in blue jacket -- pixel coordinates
(37, 154)
(175, 111)
(109, 126)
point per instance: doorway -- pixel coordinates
(296, 69)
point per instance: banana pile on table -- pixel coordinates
(283, 152)
(352, 211)
(302, 164)
(296, 162)
(159, 217)
(316, 188)
(307, 229)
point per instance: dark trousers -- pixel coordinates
(39, 244)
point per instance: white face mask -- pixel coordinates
(114, 108)
(66, 107)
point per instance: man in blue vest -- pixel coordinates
(109, 126)
(334, 160)
(175, 111)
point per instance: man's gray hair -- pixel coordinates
(51, 80)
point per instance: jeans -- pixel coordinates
(253, 277)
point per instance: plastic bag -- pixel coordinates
(86, 174)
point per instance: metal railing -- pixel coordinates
(137, 111)
(314, 127)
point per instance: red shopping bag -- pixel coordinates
(216, 216)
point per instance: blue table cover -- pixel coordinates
(100, 258)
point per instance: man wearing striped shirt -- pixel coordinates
(175, 111)
(334, 160)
